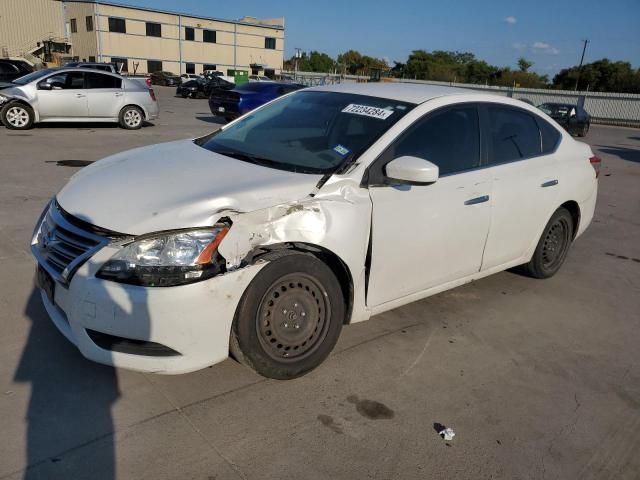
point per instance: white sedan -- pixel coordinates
(319, 209)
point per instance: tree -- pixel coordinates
(524, 65)
(600, 76)
(311, 62)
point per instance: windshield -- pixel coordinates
(555, 109)
(34, 76)
(308, 132)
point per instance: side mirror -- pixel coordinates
(412, 171)
(44, 86)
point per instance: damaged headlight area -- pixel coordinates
(168, 259)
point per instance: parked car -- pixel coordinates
(231, 104)
(573, 118)
(259, 78)
(12, 69)
(166, 79)
(105, 67)
(76, 95)
(202, 87)
(320, 209)
(185, 77)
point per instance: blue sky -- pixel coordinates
(546, 32)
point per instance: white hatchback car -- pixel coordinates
(76, 95)
(319, 209)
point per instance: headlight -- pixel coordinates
(168, 259)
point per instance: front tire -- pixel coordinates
(17, 116)
(584, 130)
(553, 246)
(289, 318)
(131, 118)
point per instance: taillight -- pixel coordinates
(148, 82)
(596, 163)
(152, 94)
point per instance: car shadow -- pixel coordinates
(634, 138)
(628, 154)
(213, 119)
(70, 404)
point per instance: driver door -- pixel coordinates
(428, 235)
(66, 97)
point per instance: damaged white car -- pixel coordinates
(319, 209)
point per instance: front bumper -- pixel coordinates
(193, 320)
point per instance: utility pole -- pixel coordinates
(584, 49)
(298, 55)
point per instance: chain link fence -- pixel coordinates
(606, 108)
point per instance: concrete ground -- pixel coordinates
(539, 379)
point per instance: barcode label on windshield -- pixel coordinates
(366, 111)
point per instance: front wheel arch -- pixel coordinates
(331, 259)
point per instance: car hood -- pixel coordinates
(6, 85)
(175, 185)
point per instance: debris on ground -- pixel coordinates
(445, 432)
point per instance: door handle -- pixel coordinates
(80, 95)
(550, 183)
(475, 201)
(119, 94)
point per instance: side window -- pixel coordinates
(450, 139)
(550, 136)
(67, 81)
(8, 68)
(98, 80)
(514, 135)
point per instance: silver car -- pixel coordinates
(76, 95)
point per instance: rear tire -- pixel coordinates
(131, 117)
(289, 318)
(584, 130)
(17, 116)
(552, 247)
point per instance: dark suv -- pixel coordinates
(12, 69)
(167, 79)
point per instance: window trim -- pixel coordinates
(485, 109)
(374, 175)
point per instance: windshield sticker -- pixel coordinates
(364, 110)
(340, 150)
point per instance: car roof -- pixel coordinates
(83, 69)
(403, 92)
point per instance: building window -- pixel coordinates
(92, 58)
(270, 43)
(189, 33)
(191, 68)
(117, 25)
(89, 21)
(122, 64)
(208, 66)
(209, 36)
(154, 30)
(74, 26)
(154, 66)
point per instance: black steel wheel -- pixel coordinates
(553, 246)
(289, 318)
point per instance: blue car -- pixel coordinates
(231, 104)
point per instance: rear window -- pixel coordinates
(98, 80)
(514, 135)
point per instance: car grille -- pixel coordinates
(61, 246)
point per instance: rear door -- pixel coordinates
(525, 182)
(105, 95)
(67, 97)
